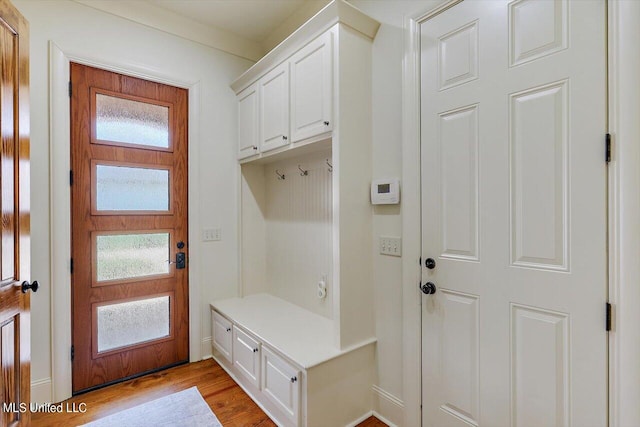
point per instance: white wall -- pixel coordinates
(78, 28)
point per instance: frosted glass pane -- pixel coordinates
(121, 188)
(133, 322)
(128, 256)
(132, 122)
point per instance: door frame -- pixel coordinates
(623, 207)
(60, 202)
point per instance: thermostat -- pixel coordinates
(385, 191)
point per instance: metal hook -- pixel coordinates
(302, 171)
(280, 175)
(330, 165)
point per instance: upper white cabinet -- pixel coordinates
(248, 130)
(274, 108)
(312, 89)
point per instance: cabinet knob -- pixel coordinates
(284, 137)
(228, 329)
(255, 350)
(294, 379)
(326, 123)
(255, 147)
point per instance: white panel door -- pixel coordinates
(513, 121)
(248, 135)
(274, 108)
(312, 89)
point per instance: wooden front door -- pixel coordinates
(14, 207)
(129, 226)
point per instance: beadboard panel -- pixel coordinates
(298, 219)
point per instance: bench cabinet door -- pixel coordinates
(281, 384)
(222, 336)
(246, 355)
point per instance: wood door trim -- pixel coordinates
(171, 124)
(152, 277)
(94, 187)
(94, 325)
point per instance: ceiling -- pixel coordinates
(252, 19)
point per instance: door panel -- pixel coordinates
(513, 118)
(129, 225)
(15, 248)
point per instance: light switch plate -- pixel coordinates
(391, 246)
(211, 234)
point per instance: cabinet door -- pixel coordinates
(274, 108)
(222, 336)
(312, 89)
(248, 122)
(246, 355)
(281, 384)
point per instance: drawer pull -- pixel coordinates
(228, 329)
(294, 379)
(326, 123)
(255, 350)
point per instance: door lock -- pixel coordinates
(430, 263)
(181, 258)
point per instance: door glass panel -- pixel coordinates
(131, 122)
(133, 322)
(121, 188)
(129, 256)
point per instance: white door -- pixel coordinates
(513, 122)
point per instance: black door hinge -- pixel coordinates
(70, 88)
(607, 154)
(71, 266)
(73, 353)
(608, 320)
(70, 177)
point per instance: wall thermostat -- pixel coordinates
(385, 191)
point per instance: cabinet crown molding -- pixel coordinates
(338, 11)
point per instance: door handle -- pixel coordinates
(26, 286)
(428, 288)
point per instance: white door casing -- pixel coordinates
(513, 118)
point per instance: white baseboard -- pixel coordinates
(205, 348)
(387, 408)
(41, 391)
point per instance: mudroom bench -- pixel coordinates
(288, 360)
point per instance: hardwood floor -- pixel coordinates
(232, 406)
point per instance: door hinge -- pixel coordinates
(70, 88)
(70, 177)
(608, 320)
(71, 266)
(73, 353)
(607, 154)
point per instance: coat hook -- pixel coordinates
(280, 175)
(330, 165)
(302, 171)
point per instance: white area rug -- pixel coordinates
(184, 408)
